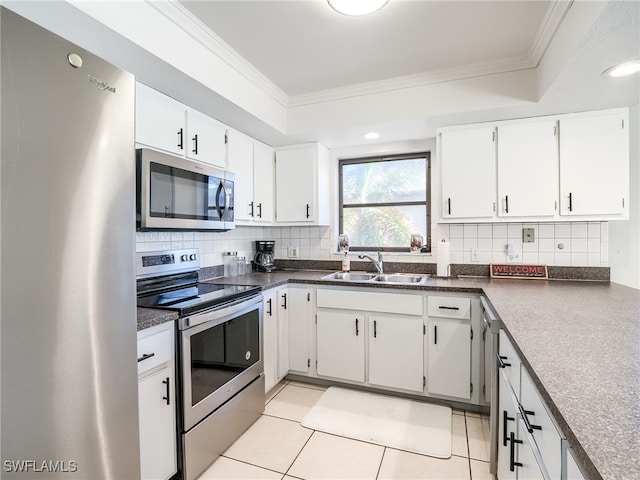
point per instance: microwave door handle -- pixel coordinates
(227, 199)
(220, 187)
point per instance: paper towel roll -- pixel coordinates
(443, 258)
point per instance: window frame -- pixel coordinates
(426, 248)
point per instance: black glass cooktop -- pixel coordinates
(195, 298)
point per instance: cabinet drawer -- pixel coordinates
(156, 349)
(543, 428)
(510, 364)
(399, 303)
(449, 307)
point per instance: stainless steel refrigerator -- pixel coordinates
(68, 316)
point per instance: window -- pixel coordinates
(384, 200)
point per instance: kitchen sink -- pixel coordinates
(374, 277)
(350, 277)
(401, 278)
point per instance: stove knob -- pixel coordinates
(184, 258)
(192, 256)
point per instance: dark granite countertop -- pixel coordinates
(580, 341)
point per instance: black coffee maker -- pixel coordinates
(264, 259)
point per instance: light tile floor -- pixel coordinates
(277, 447)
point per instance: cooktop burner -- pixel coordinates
(195, 298)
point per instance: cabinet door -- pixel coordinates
(295, 179)
(300, 329)
(160, 121)
(240, 161)
(468, 154)
(206, 139)
(546, 436)
(507, 425)
(340, 345)
(594, 165)
(449, 357)
(263, 184)
(282, 298)
(157, 425)
(396, 349)
(528, 169)
(270, 350)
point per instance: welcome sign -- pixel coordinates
(510, 270)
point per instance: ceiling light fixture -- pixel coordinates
(371, 135)
(356, 7)
(622, 70)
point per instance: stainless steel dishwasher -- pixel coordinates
(490, 335)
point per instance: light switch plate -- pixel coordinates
(528, 235)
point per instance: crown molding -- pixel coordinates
(412, 81)
(191, 25)
(202, 34)
(553, 18)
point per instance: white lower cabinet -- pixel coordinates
(340, 345)
(156, 402)
(396, 351)
(282, 295)
(270, 336)
(449, 346)
(300, 313)
(529, 444)
(371, 337)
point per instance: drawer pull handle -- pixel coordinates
(505, 419)
(512, 453)
(269, 303)
(501, 362)
(527, 423)
(145, 357)
(166, 382)
(443, 307)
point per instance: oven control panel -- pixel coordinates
(167, 262)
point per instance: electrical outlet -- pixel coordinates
(292, 252)
(474, 254)
(528, 235)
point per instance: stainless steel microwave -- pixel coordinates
(175, 193)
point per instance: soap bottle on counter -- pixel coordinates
(346, 263)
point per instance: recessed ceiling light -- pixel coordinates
(372, 135)
(622, 70)
(356, 7)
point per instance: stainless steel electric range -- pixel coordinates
(219, 361)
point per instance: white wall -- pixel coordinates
(624, 237)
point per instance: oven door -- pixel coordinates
(174, 192)
(219, 356)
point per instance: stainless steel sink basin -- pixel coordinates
(401, 278)
(350, 277)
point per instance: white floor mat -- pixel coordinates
(390, 421)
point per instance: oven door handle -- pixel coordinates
(219, 313)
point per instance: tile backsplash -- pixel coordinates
(562, 244)
(567, 244)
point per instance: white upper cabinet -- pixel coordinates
(263, 183)
(468, 159)
(160, 120)
(166, 124)
(303, 188)
(206, 139)
(528, 169)
(252, 162)
(240, 162)
(546, 169)
(594, 164)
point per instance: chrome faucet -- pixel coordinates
(379, 264)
